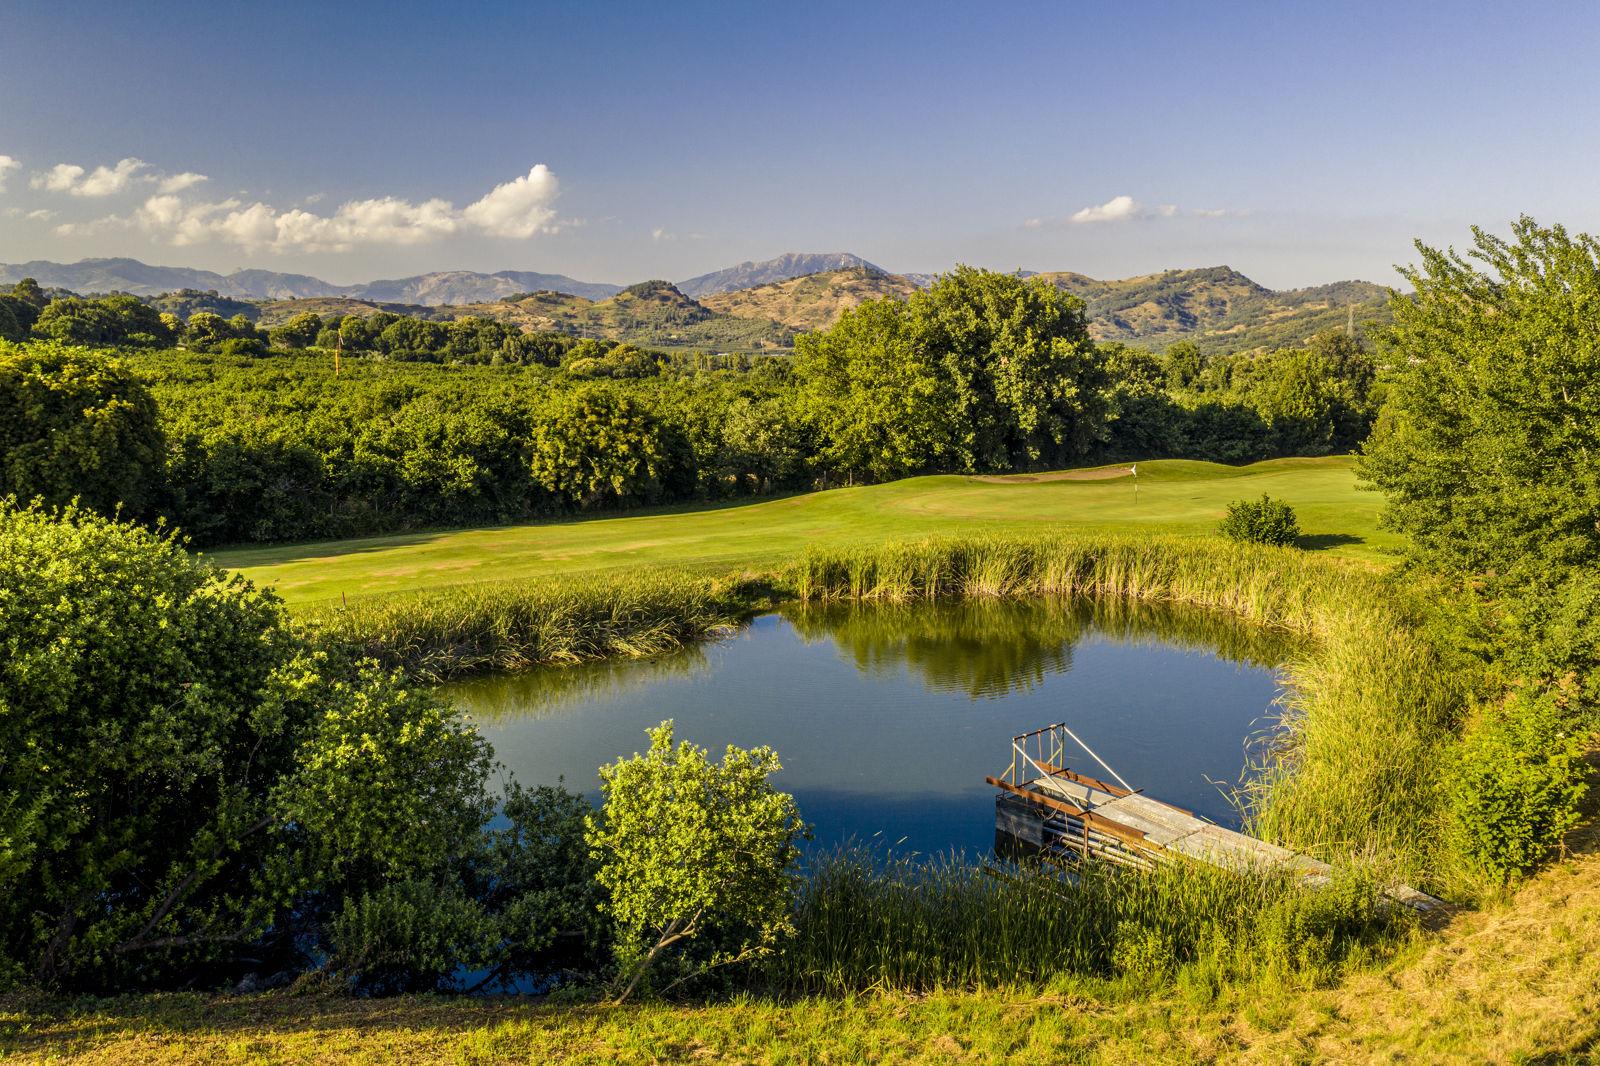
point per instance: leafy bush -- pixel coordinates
(1518, 777)
(694, 855)
(186, 782)
(1263, 521)
(77, 425)
(408, 936)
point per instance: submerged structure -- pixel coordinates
(1046, 809)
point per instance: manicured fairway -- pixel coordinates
(1173, 496)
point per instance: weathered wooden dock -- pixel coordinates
(1067, 817)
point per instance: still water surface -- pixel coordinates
(887, 718)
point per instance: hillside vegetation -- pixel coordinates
(1217, 308)
(812, 302)
(652, 313)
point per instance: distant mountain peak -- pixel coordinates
(766, 271)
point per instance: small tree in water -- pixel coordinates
(1263, 521)
(696, 857)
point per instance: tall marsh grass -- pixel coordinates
(903, 924)
(469, 629)
(1355, 770)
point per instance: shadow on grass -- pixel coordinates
(1317, 542)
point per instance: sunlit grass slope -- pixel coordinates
(1515, 982)
(1173, 496)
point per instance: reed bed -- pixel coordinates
(864, 921)
(440, 635)
(1354, 772)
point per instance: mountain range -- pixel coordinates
(754, 306)
(440, 287)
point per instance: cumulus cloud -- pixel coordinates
(179, 182)
(7, 165)
(520, 208)
(1116, 209)
(101, 181)
(659, 234)
(59, 178)
(517, 209)
(40, 215)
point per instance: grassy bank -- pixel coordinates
(514, 625)
(1514, 982)
(1174, 497)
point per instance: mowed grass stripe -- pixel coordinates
(1173, 496)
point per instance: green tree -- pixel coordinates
(692, 852)
(1029, 384)
(77, 424)
(1488, 446)
(300, 331)
(11, 328)
(592, 446)
(983, 371)
(882, 402)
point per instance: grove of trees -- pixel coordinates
(255, 437)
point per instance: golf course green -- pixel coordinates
(1168, 496)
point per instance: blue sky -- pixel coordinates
(1299, 143)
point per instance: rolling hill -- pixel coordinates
(814, 301)
(1217, 308)
(652, 314)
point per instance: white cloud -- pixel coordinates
(383, 221)
(59, 178)
(659, 234)
(41, 215)
(1116, 209)
(7, 165)
(519, 208)
(101, 181)
(1126, 209)
(180, 182)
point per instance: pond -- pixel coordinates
(887, 718)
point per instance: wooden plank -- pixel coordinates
(1223, 847)
(1018, 821)
(1104, 825)
(1160, 823)
(1084, 796)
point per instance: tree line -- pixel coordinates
(983, 372)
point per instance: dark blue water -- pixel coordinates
(888, 719)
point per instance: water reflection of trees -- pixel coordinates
(983, 648)
(534, 693)
(988, 648)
